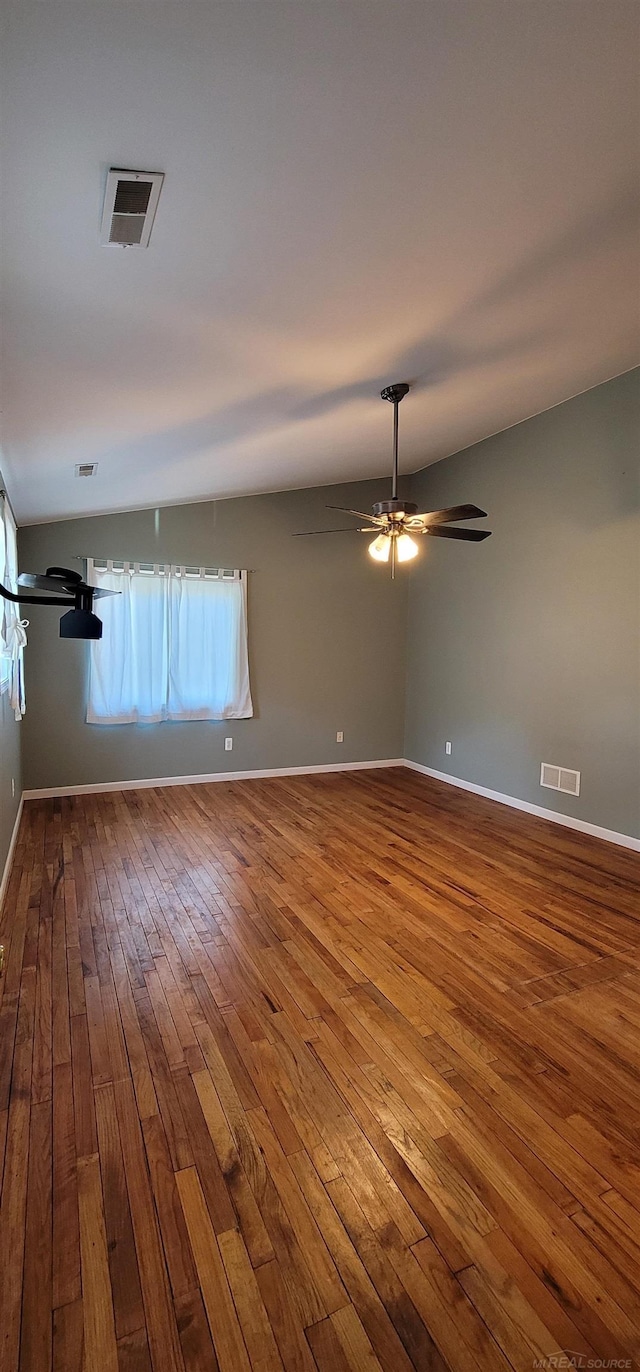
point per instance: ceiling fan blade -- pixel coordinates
(99, 591)
(465, 535)
(373, 519)
(312, 533)
(451, 515)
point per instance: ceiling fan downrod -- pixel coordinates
(395, 508)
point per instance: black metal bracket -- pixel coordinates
(36, 599)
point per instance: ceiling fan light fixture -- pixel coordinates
(406, 548)
(380, 548)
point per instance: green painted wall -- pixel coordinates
(326, 636)
(526, 648)
(10, 769)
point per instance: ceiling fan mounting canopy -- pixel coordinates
(396, 392)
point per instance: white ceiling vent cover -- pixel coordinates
(560, 779)
(130, 203)
(86, 468)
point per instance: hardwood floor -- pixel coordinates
(321, 1072)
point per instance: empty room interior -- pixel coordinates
(319, 685)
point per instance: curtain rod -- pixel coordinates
(86, 557)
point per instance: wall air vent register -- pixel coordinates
(560, 779)
(130, 203)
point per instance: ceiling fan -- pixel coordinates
(394, 521)
(80, 622)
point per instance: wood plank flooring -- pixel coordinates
(331, 1072)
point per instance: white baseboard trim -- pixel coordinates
(568, 821)
(9, 859)
(96, 788)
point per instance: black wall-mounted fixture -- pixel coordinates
(80, 621)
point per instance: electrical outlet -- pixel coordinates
(340, 736)
(228, 745)
(447, 749)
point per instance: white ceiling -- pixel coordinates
(356, 193)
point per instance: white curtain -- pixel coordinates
(12, 628)
(173, 646)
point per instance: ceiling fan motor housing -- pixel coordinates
(396, 509)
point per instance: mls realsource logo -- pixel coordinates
(567, 1360)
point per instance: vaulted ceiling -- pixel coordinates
(356, 192)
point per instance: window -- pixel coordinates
(173, 646)
(12, 627)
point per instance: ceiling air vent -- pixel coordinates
(86, 468)
(560, 779)
(130, 202)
